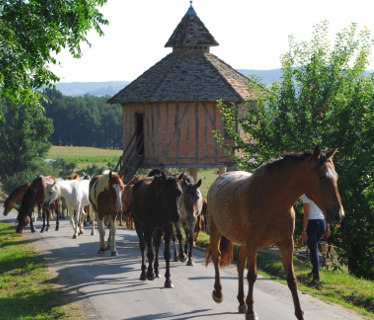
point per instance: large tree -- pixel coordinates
(325, 96)
(31, 33)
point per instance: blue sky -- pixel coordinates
(251, 34)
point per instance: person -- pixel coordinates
(314, 227)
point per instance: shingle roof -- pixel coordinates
(191, 75)
(191, 32)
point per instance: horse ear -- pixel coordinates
(181, 176)
(163, 175)
(331, 153)
(317, 152)
(198, 184)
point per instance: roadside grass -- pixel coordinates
(336, 285)
(26, 288)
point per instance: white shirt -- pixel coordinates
(314, 211)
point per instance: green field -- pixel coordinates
(84, 156)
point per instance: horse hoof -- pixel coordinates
(182, 258)
(169, 284)
(143, 277)
(114, 254)
(56, 228)
(217, 299)
(92, 233)
(75, 236)
(190, 263)
(150, 276)
(158, 275)
(32, 230)
(243, 308)
(251, 317)
(101, 251)
(175, 259)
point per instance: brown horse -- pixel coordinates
(15, 197)
(105, 197)
(126, 200)
(34, 195)
(255, 211)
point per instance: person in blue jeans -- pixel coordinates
(314, 227)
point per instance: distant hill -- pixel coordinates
(266, 76)
(99, 89)
(110, 88)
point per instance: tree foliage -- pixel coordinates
(324, 96)
(32, 33)
(84, 121)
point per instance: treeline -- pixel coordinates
(84, 121)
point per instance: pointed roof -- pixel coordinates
(191, 32)
(186, 76)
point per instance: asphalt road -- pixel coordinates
(109, 287)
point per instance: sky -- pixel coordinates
(251, 34)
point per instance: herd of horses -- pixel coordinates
(251, 210)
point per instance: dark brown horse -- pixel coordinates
(255, 211)
(34, 195)
(105, 197)
(155, 206)
(15, 197)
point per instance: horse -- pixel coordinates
(201, 223)
(155, 206)
(126, 200)
(190, 205)
(34, 195)
(105, 197)
(16, 197)
(256, 210)
(75, 194)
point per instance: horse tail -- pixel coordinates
(226, 247)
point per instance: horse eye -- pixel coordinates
(322, 179)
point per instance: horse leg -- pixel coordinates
(286, 249)
(57, 217)
(174, 239)
(73, 221)
(91, 213)
(150, 255)
(182, 256)
(168, 233)
(215, 254)
(81, 220)
(32, 226)
(43, 216)
(157, 247)
(101, 233)
(189, 235)
(120, 218)
(140, 233)
(251, 277)
(113, 236)
(242, 261)
(48, 214)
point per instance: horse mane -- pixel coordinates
(275, 164)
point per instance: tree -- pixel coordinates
(31, 33)
(24, 142)
(325, 96)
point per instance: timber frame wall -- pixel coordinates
(177, 134)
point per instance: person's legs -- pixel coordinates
(315, 231)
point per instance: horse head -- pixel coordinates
(167, 188)
(7, 206)
(115, 184)
(322, 185)
(51, 193)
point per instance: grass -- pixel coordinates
(83, 156)
(26, 288)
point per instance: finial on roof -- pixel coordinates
(191, 9)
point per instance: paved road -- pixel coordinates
(109, 287)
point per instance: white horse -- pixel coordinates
(75, 194)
